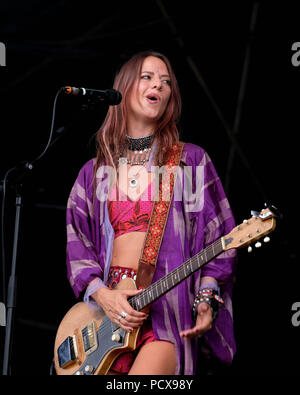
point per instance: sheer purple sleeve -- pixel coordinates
(83, 260)
(212, 220)
(91, 288)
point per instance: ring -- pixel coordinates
(123, 314)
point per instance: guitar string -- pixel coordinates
(180, 270)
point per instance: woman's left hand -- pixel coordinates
(203, 322)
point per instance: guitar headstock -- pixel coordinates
(251, 230)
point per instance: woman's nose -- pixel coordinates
(157, 83)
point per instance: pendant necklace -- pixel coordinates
(133, 181)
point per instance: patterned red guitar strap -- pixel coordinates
(158, 220)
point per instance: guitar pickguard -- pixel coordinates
(105, 345)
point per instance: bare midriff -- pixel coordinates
(127, 250)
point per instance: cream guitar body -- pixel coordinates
(87, 342)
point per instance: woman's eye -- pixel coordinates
(148, 77)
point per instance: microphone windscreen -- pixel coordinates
(114, 97)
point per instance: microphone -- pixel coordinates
(111, 97)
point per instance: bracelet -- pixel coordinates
(209, 296)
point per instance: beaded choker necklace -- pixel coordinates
(138, 150)
(139, 143)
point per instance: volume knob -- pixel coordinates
(89, 368)
(116, 337)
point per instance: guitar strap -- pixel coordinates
(158, 219)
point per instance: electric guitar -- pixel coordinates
(87, 342)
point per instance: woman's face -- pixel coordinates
(151, 92)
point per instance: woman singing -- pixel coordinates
(107, 224)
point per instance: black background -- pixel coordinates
(50, 44)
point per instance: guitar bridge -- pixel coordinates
(89, 338)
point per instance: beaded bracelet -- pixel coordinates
(209, 296)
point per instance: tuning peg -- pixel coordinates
(249, 249)
(267, 239)
(258, 244)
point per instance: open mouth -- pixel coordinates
(153, 98)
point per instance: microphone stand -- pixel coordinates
(22, 171)
(12, 285)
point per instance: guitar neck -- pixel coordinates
(171, 280)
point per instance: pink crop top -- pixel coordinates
(128, 215)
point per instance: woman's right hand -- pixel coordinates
(114, 302)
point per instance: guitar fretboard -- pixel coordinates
(166, 283)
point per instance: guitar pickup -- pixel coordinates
(67, 352)
(89, 338)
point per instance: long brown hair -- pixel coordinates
(110, 138)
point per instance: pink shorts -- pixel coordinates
(146, 335)
(124, 362)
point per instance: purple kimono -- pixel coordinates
(199, 215)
